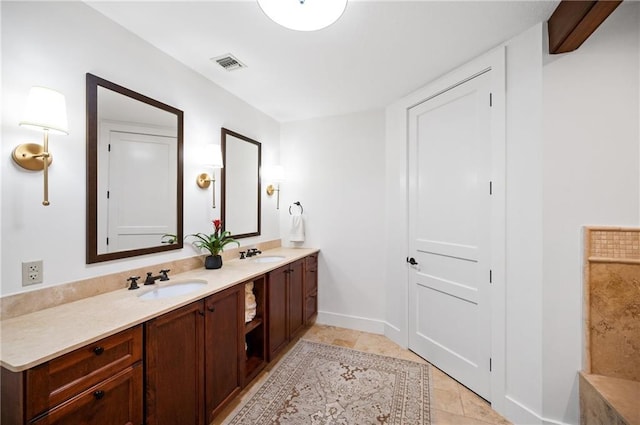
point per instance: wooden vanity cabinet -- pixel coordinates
(99, 384)
(196, 360)
(193, 359)
(285, 305)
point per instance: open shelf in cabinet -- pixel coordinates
(256, 334)
(250, 326)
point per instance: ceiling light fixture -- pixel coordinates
(303, 15)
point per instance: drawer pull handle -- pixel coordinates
(211, 309)
(98, 350)
(98, 394)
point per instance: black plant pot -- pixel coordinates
(213, 262)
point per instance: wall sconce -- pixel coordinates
(275, 174)
(46, 111)
(212, 157)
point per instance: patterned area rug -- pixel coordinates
(324, 384)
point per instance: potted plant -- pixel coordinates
(214, 244)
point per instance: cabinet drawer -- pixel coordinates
(117, 401)
(62, 378)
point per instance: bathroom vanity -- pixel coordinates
(118, 358)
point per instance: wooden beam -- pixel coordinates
(574, 21)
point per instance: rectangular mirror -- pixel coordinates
(240, 184)
(134, 173)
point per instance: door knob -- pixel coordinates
(412, 261)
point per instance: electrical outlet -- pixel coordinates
(32, 272)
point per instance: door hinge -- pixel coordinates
(490, 100)
(107, 194)
(107, 241)
(490, 365)
(490, 276)
(109, 147)
(490, 188)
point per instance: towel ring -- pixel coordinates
(298, 204)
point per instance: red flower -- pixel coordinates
(215, 242)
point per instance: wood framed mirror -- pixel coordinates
(134, 173)
(240, 182)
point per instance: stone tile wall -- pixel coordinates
(612, 301)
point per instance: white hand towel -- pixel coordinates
(297, 229)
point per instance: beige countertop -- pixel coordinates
(34, 338)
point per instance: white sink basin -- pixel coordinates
(173, 289)
(269, 259)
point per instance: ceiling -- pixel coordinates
(378, 52)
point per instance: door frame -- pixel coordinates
(397, 146)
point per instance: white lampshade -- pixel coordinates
(303, 15)
(46, 110)
(212, 156)
(274, 173)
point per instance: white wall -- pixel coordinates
(591, 177)
(335, 168)
(54, 44)
(522, 400)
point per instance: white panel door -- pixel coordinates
(138, 218)
(449, 225)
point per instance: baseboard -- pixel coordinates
(351, 322)
(395, 335)
(553, 422)
(518, 413)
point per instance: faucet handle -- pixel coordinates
(134, 282)
(242, 257)
(163, 275)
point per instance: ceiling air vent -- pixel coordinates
(229, 62)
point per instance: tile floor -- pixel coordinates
(451, 403)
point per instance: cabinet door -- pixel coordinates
(311, 274)
(277, 312)
(116, 401)
(296, 294)
(175, 367)
(224, 343)
(310, 288)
